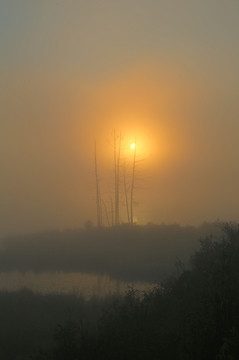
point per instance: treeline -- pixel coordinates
(144, 253)
(192, 316)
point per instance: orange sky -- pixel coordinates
(66, 83)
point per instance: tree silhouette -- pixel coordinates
(98, 195)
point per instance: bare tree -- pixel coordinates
(98, 195)
(112, 211)
(126, 194)
(106, 212)
(132, 187)
(117, 150)
(127, 180)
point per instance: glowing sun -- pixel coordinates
(132, 146)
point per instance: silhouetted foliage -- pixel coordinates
(192, 316)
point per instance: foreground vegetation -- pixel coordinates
(194, 316)
(28, 321)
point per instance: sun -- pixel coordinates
(132, 146)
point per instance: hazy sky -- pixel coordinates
(163, 71)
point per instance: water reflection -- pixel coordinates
(87, 285)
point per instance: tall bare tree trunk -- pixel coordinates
(112, 211)
(115, 172)
(118, 180)
(126, 196)
(117, 149)
(98, 196)
(106, 212)
(132, 188)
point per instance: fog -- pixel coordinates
(119, 204)
(127, 253)
(188, 173)
(75, 73)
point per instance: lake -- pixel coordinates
(81, 284)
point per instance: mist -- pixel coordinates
(119, 204)
(188, 174)
(70, 81)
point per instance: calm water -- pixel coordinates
(86, 285)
